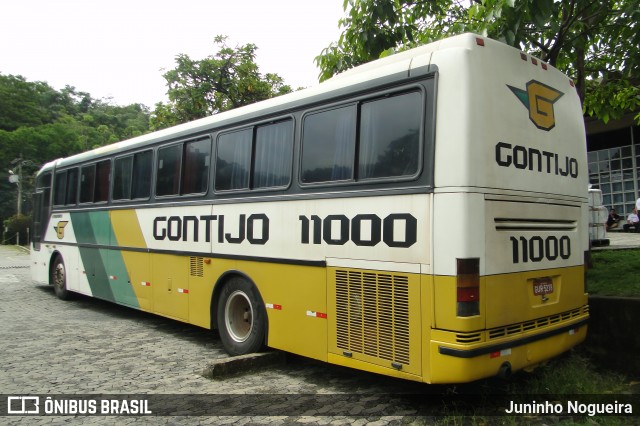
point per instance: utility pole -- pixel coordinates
(17, 178)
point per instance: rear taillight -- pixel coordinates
(468, 287)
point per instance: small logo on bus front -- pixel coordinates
(539, 99)
(59, 228)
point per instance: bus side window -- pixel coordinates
(328, 145)
(233, 160)
(103, 170)
(60, 188)
(272, 158)
(389, 136)
(142, 165)
(72, 186)
(195, 174)
(169, 161)
(66, 187)
(87, 181)
(122, 178)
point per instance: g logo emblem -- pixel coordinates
(539, 99)
(59, 228)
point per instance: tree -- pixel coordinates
(226, 80)
(40, 124)
(595, 42)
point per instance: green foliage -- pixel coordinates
(595, 43)
(226, 80)
(17, 225)
(614, 273)
(40, 124)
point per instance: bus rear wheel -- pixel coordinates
(241, 317)
(58, 278)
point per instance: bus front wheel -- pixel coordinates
(59, 278)
(241, 317)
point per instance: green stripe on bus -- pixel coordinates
(105, 269)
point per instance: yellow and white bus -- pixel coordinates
(422, 216)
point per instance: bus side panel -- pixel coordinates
(104, 266)
(128, 234)
(61, 230)
(296, 304)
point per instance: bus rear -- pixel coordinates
(509, 212)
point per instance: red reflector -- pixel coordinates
(544, 66)
(479, 41)
(494, 354)
(534, 61)
(468, 294)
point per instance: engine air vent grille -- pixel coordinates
(196, 266)
(372, 314)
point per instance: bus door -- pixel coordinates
(41, 209)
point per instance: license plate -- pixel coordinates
(542, 286)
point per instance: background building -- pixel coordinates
(614, 161)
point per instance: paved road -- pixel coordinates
(87, 346)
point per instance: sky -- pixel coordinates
(118, 49)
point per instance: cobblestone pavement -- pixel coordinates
(87, 346)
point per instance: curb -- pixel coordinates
(223, 367)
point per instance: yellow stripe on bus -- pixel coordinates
(128, 234)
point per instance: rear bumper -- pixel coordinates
(453, 362)
(471, 353)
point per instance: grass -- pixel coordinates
(572, 374)
(614, 273)
(569, 377)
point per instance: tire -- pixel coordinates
(58, 279)
(241, 317)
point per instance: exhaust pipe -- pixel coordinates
(505, 371)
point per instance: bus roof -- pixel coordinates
(396, 67)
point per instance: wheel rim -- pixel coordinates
(238, 316)
(59, 276)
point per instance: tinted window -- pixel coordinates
(44, 180)
(328, 145)
(87, 183)
(272, 159)
(72, 186)
(103, 172)
(132, 176)
(169, 161)
(142, 162)
(122, 178)
(196, 167)
(233, 160)
(389, 136)
(60, 189)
